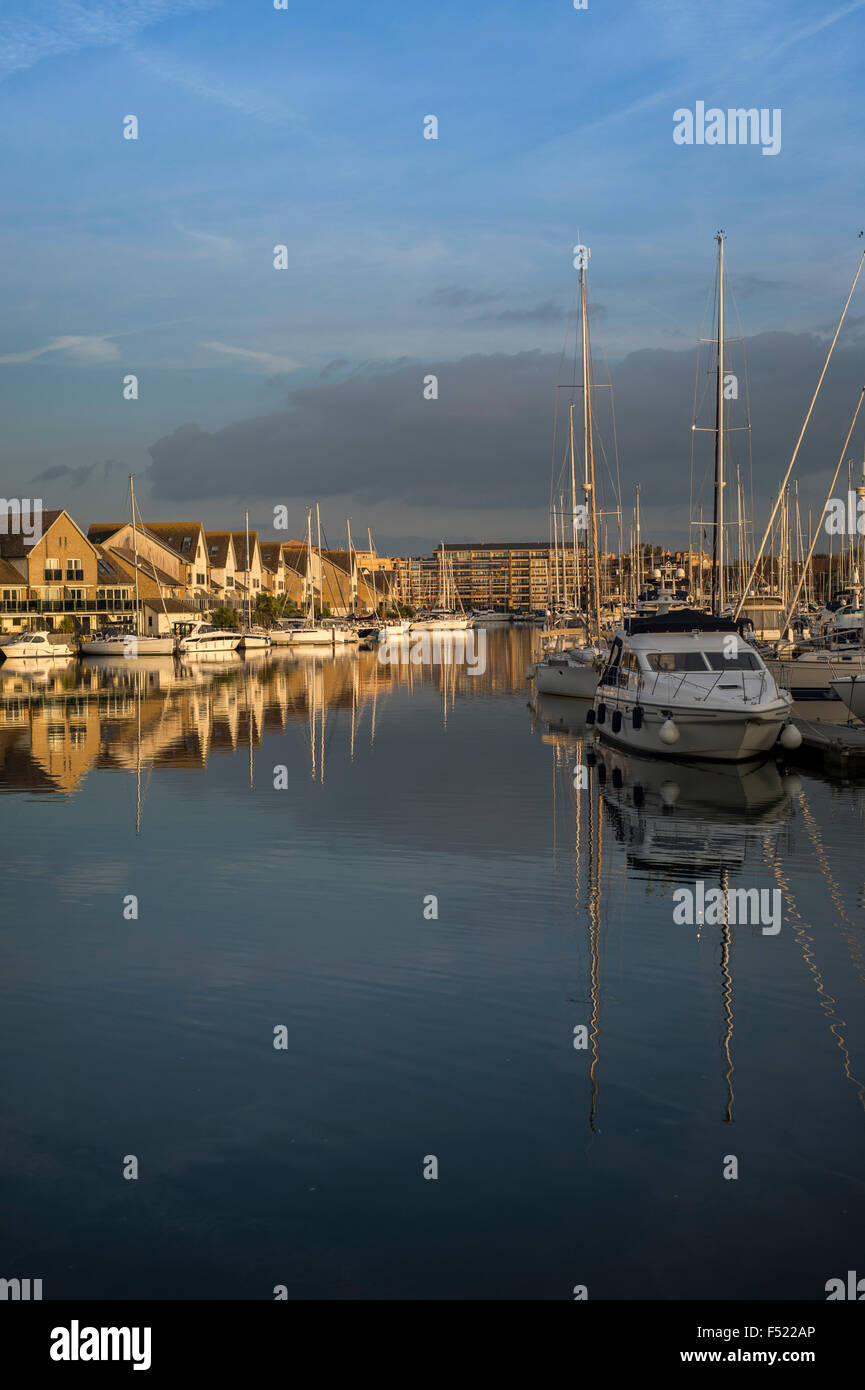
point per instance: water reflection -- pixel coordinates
(677, 822)
(60, 719)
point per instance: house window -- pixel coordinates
(52, 569)
(74, 568)
(187, 544)
(229, 581)
(200, 579)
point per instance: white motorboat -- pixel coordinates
(851, 689)
(255, 639)
(199, 638)
(573, 672)
(815, 669)
(319, 635)
(490, 617)
(127, 645)
(689, 686)
(440, 621)
(34, 645)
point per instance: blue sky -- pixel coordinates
(304, 127)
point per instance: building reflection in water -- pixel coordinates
(60, 719)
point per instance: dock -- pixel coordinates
(837, 748)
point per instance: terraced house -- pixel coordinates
(58, 577)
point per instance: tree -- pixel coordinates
(267, 609)
(224, 617)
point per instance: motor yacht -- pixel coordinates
(33, 645)
(687, 685)
(199, 638)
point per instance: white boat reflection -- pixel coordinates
(690, 816)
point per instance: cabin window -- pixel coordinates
(741, 661)
(667, 662)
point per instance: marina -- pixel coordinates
(432, 677)
(123, 774)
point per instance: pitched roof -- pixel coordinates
(240, 547)
(270, 553)
(171, 605)
(148, 568)
(109, 568)
(295, 556)
(10, 576)
(218, 545)
(102, 531)
(15, 547)
(174, 533)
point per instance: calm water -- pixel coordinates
(303, 907)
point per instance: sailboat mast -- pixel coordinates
(718, 596)
(589, 459)
(575, 527)
(352, 581)
(246, 577)
(135, 553)
(311, 613)
(320, 566)
(638, 543)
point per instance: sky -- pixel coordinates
(409, 257)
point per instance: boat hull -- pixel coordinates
(441, 625)
(318, 637)
(816, 674)
(577, 680)
(207, 646)
(710, 735)
(130, 647)
(851, 689)
(31, 652)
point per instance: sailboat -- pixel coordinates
(130, 644)
(686, 684)
(313, 633)
(252, 638)
(449, 614)
(574, 670)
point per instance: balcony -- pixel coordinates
(72, 605)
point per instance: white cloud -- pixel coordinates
(77, 348)
(24, 41)
(211, 243)
(265, 359)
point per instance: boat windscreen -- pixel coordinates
(675, 661)
(738, 661)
